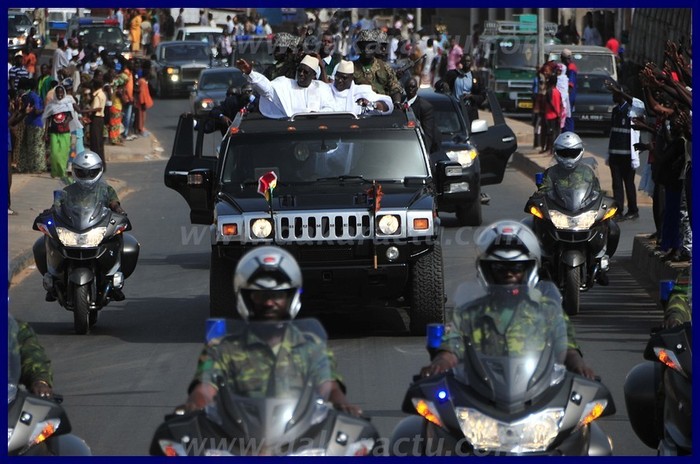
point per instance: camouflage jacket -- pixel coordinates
(679, 307)
(248, 365)
(581, 175)
(104, 192)
(286, 68)
(379, 75)
(496, 331)
(36, 365)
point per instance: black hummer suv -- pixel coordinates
(355, 203)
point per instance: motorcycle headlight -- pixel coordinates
(207, 103)
(91, 238)
(464, 157)
(581, 222)
(261, 228)
(388, 224)
(531, 434)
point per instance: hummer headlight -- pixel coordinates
(261, 228)
(388, 224)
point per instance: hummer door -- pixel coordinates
(191, 170)
(495, 145)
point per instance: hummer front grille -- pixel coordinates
(324, 226)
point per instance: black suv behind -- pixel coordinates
(355, 203)
(103, 32)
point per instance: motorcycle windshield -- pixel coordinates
(269, 377)
(515, 342)
(570, 194)
(14, 365)
(84, 208)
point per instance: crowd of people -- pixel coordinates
(81, 99)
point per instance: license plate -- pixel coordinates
(591, 117)
(525, 104)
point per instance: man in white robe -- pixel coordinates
(354, 98)
(284, 97)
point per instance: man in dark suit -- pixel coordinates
(424, 112)
(466, 87)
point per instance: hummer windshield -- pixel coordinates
(308, 157)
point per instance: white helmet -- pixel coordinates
(87, 168)
(267, 268)
(568, 150)
(507, 242)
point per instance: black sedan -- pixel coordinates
(594, 103)
(211, 87)
(490, 147)
(177, 65)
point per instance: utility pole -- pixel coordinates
(540, 36)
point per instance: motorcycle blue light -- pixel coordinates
(433, 336)
(49, 223)
(216, 328)
(441, 395)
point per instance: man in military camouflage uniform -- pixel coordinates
(508, 263)
(35, 371)
(570, 173)
(267, 283)
(286, 54)
(372, 71)
(679, 309)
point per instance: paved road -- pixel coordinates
(119, 381)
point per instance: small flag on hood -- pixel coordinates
(375, 194)
(266, 184)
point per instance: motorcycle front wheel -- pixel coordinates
(81, 309)
(572, 290)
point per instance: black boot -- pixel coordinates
(49, 297)
(602, 278)
(117, 294)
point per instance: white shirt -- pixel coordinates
(346, 100)
(59, 62)
(282, 97)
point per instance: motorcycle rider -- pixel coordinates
(267, 284)
(35, 365)
(508, 254)
(87, 173)
(679, 308)
(570, 172)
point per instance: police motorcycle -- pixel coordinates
(658, 392)
(510, 394)
(85, 253)
(36, 426)
(574, 225)
(284, 417)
